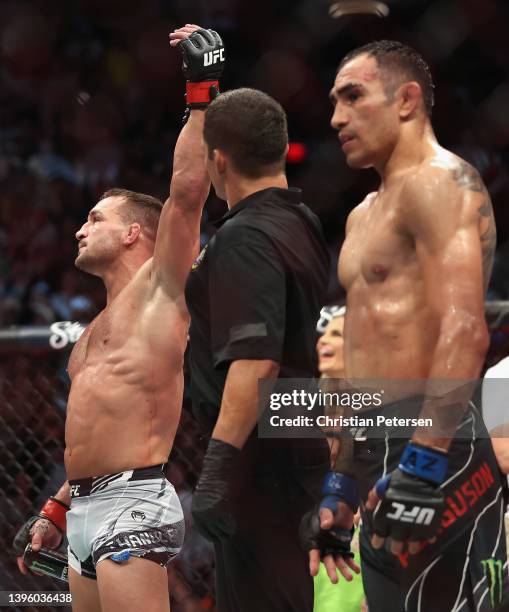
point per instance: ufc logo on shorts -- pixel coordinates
(213, 56)
(75, 490)
(417, 515)
(359, 434)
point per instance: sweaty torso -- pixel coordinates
(127, 383)
(391, 329)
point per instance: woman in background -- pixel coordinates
(344, 596)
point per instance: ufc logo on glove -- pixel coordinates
(212, 57)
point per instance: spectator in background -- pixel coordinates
(344, 596)
(495, 403)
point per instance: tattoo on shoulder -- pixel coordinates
(467, 177)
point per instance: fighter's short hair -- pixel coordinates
(138, 208)
(400, 63)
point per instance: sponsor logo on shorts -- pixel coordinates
(75, 490)
(212, 57)
(139, 539)
(467, 495)
(359, 434)
(138, 516)
(494, 572)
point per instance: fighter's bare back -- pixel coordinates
(392, 322)
(126, 370)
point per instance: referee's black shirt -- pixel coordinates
(255, 292)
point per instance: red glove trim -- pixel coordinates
(199, 93)
(55, 510)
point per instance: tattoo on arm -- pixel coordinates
(467, 177)
(488, 238)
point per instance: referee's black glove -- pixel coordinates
(210, 507)
(411, 500)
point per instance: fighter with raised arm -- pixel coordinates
(415, 263)
(124, 520)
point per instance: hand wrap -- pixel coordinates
(339, 487)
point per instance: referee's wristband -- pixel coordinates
(339, 487)
(424, 462)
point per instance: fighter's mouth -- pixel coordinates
(326, 352)
(344, 138)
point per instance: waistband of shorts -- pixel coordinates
(88, 486)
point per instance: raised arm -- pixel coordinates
(178, 236)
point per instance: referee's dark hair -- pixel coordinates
(250, 127)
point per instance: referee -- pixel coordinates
(254, 295)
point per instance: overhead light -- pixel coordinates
(358, 7)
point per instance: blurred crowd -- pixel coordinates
(91, 97)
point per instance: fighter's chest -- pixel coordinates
(99, 337)
(374, 247)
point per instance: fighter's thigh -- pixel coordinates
(85, 594)
(137, 585)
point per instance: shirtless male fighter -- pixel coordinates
(125, 521)
(415, 263)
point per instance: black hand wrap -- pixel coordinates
(210, 507)
(334, 541)
(203, 63)
(410, 508)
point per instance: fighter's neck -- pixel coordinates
(413, 146)
(118, 276)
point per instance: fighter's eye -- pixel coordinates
(352, 96)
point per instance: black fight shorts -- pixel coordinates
(466, 568)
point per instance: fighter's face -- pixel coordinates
(100, 237)
(367, 121)
(330, 349)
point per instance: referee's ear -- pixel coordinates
(221, 161)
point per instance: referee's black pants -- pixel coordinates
(262, 567)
